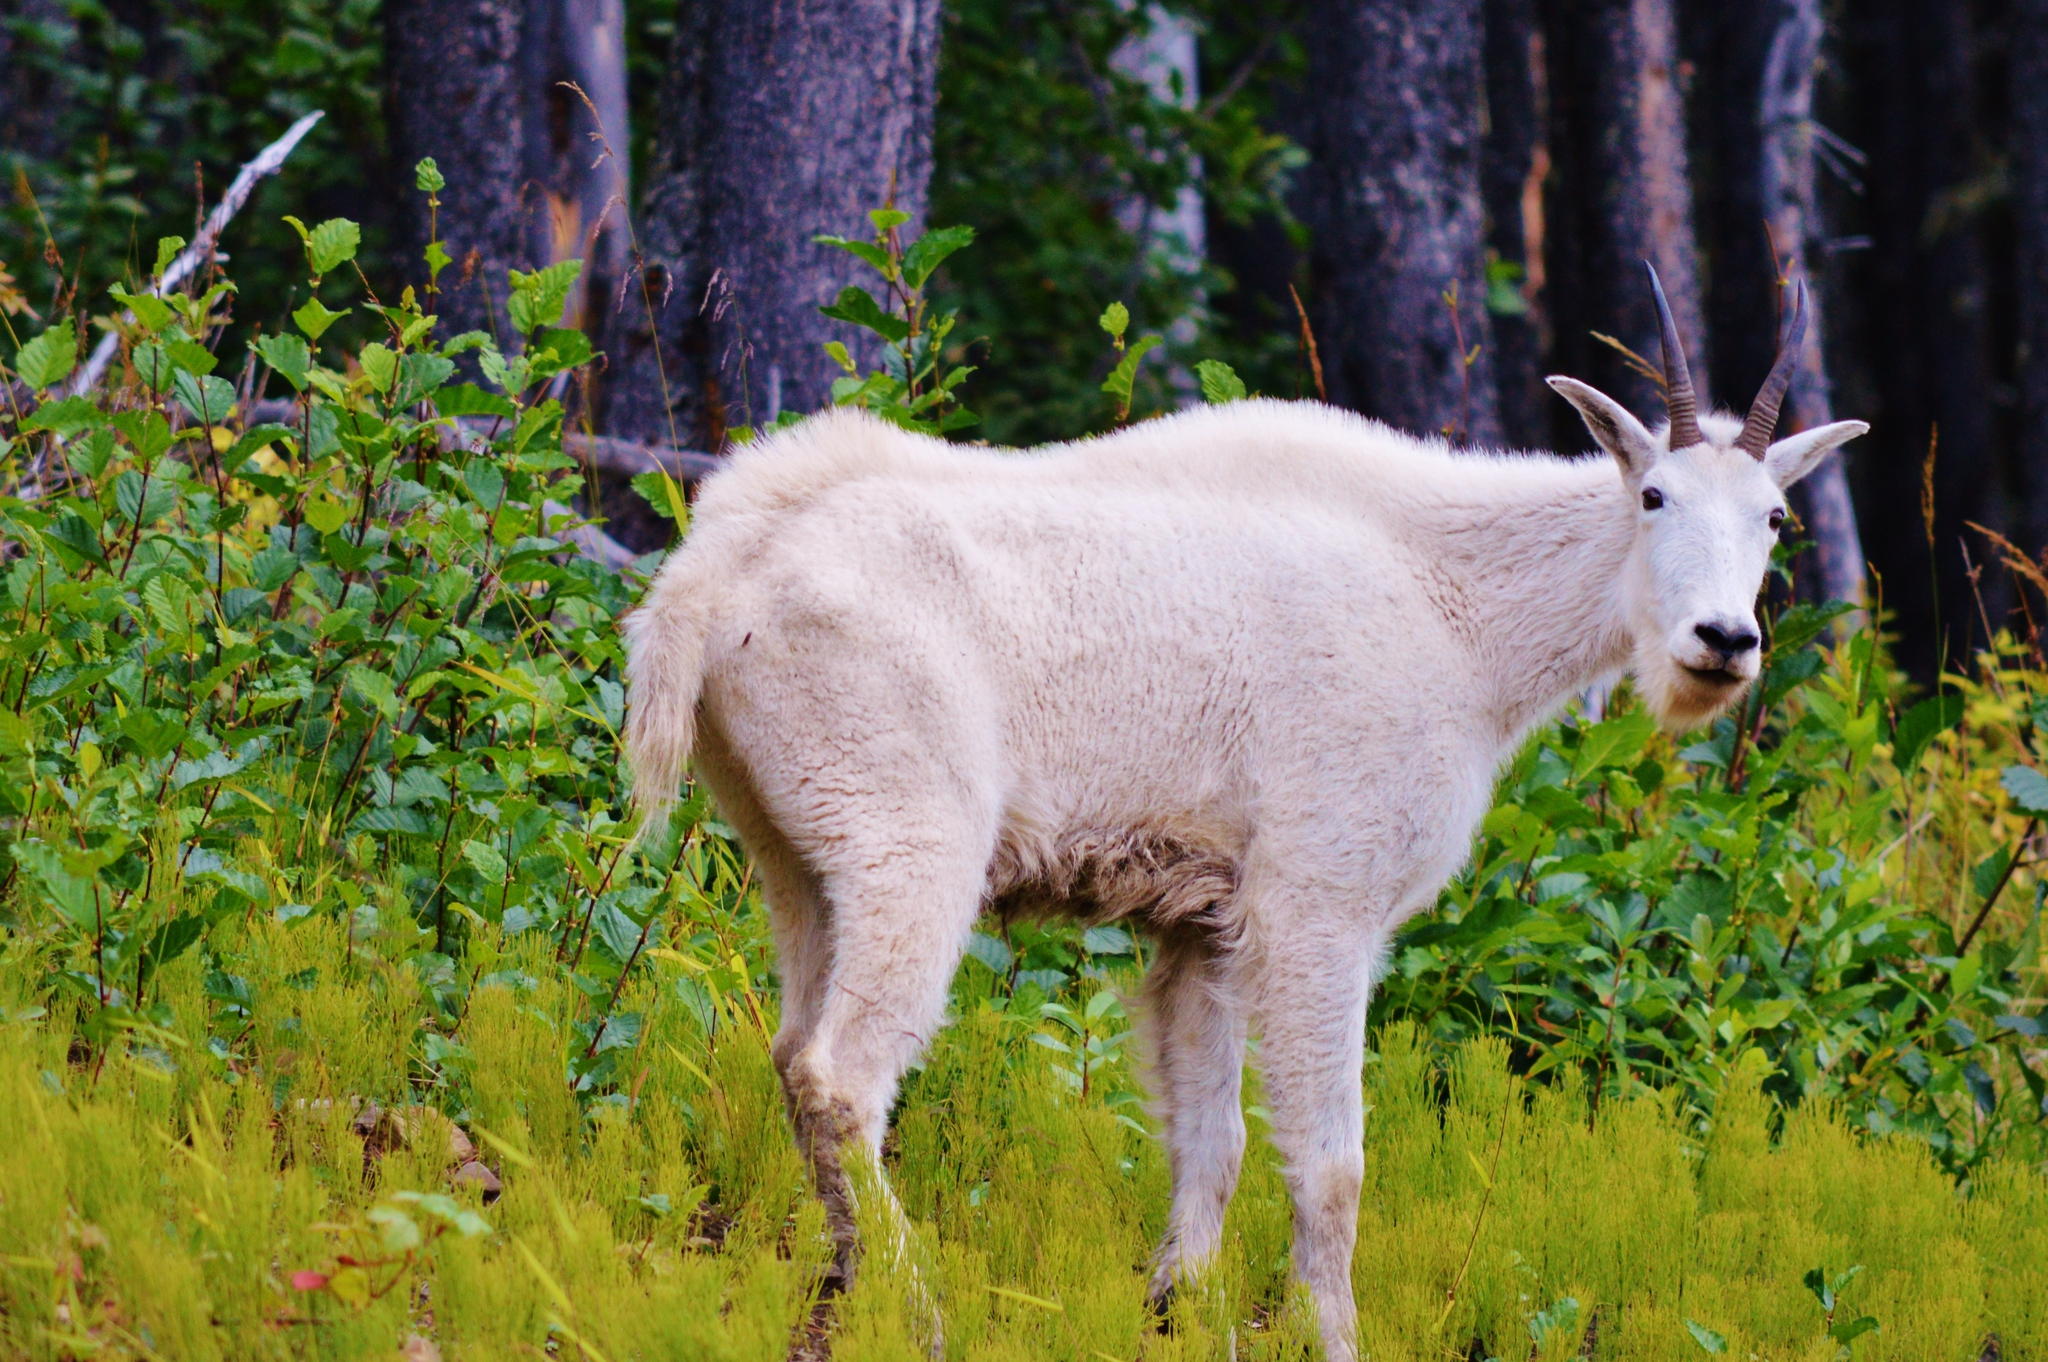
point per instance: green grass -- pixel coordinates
(159, 1200)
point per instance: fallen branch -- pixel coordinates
(200, 252)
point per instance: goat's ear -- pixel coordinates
(1793, 457)
(1619, 433)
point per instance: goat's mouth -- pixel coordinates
(1713, 676)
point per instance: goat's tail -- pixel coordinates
(665, 642)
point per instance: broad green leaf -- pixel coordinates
(427, 177)
(1708, 1340)
(332, 243)
(287, 355)
(2028, 788)
(209, 399)
(886, 218)
(1219, 381)
(314, 317)
(866, 250)
(856, 305)
(380, 365)
(928, 251)
(537, 298)
(151, 312)
(49, 358)
(1115, 319)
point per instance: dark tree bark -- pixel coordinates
(1786, 174)
(1514, 163)
(2027, 86)
(1395, 88)
(578, 144)
(1622, 195)
(782, 121)
(460, 91)
(1922, 296)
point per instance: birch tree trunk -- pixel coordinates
(458, 91)
(1395, 191)
(781, 122)
(1623, 193)
(1786, 167)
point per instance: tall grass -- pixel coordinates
(168, 1204)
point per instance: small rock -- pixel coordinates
(474, 1172)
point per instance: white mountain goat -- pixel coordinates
(1243, 675)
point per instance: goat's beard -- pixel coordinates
(1681, 701)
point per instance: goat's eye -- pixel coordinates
(1777, 518)
(1652, 498)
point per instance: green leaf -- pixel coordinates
(314, 318)
(1921, 725)
(419, 375)
(437, 258)
(1220, 382)
(427, 177)
(332, 243)
(66, 416)
(167, 249)
(380, 364)
(71, 893)
(151, 312)
(1851, 1330)
(855, 305)
(1122, 378)
(655, 487)
(2028, 788)
(1708, 1340)
(537, 298)
(1115, 319)
(326, 515)
(48, 359)
(209, 399)
(866, 250)
(466, 399)
(885, 218)
(287, 355)
(926, 253)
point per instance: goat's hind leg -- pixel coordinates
(899, 926)
(1195, 1030)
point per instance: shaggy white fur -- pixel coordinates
(1244, 675)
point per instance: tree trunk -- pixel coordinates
(1786, 167)
(1514, 163)
(1623, 194)
(1395, 88)
(578, 145)
(459, 92)
(783, 121)
(1923, 327)
(2027, 84)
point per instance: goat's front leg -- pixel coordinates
(1195, 1032)
(1311, 1012)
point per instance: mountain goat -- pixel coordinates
(1243, 675)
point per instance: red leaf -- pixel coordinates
(308, 1281)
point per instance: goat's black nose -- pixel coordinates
(1727, 641)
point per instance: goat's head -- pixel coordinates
(1711, 493)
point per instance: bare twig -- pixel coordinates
(200, 251)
